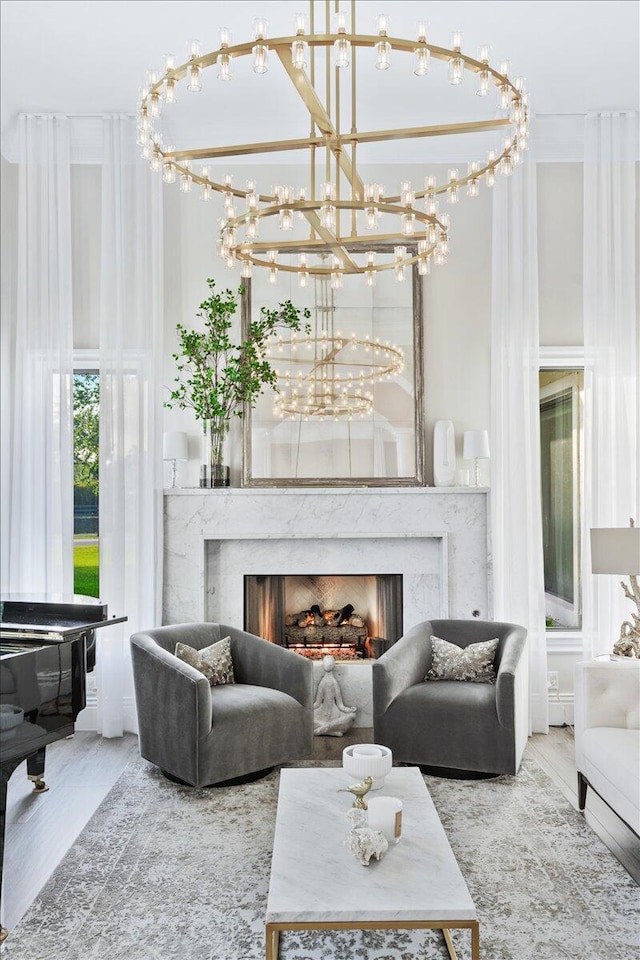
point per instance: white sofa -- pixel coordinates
(607, 735)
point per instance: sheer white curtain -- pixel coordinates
(38, 498)
(612, 342)
(516, 512)
(130, 412)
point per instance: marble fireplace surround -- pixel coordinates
(435, 537)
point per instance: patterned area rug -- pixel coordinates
(163, 872)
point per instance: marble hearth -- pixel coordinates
(435, 537)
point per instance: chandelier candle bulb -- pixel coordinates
(224, 66)
(299, 54)
(260, 28)
(422, 58)
(483, 83)
(342, 46)
(261, 58)
(195, 78)
(456, 63)
(251, 232)
(383, 52)
(452, 189)
(408, 222)
(341, 22)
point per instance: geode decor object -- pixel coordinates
(366, 844)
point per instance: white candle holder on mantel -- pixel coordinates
(362, 760)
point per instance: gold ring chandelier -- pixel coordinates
(342, 212)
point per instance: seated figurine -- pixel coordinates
(331, 716)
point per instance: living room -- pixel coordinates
(321, 329)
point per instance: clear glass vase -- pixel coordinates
(214, 465)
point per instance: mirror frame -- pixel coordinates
(417, 480)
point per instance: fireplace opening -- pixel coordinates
(350, 616)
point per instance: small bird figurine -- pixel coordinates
(359, 790)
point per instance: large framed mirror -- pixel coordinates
(349, 410)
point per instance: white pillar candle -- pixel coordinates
(385, 814)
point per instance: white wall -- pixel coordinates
(560, 220)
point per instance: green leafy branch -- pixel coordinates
(216, 376)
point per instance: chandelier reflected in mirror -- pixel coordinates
(326, 374)
(332, 225)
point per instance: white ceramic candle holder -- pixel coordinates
(362, 760)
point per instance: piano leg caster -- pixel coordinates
(4, 933)
(39, 786)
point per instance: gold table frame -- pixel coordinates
(273, 930)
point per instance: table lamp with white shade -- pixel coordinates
(174, 447)
(616, 550)
(475, 446)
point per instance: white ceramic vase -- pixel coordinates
(444, 454)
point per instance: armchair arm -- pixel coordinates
(512, 661)
(171, 696)
(266, 664)
(404, 664)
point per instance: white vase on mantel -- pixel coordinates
(444, 454)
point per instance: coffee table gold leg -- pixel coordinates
(475, 941)
(272, 937)
(449, 942)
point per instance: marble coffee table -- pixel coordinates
(316, 884)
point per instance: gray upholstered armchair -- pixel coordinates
(205, 735)
(453, 724)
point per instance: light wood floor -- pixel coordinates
(82, 769)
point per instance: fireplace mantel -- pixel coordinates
(437, 537)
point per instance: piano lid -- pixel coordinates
(52, 617)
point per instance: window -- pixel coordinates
(560, 457)
(86, 548)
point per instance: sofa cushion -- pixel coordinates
(474, 662)
(214, 662)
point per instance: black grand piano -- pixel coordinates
(47, 646)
